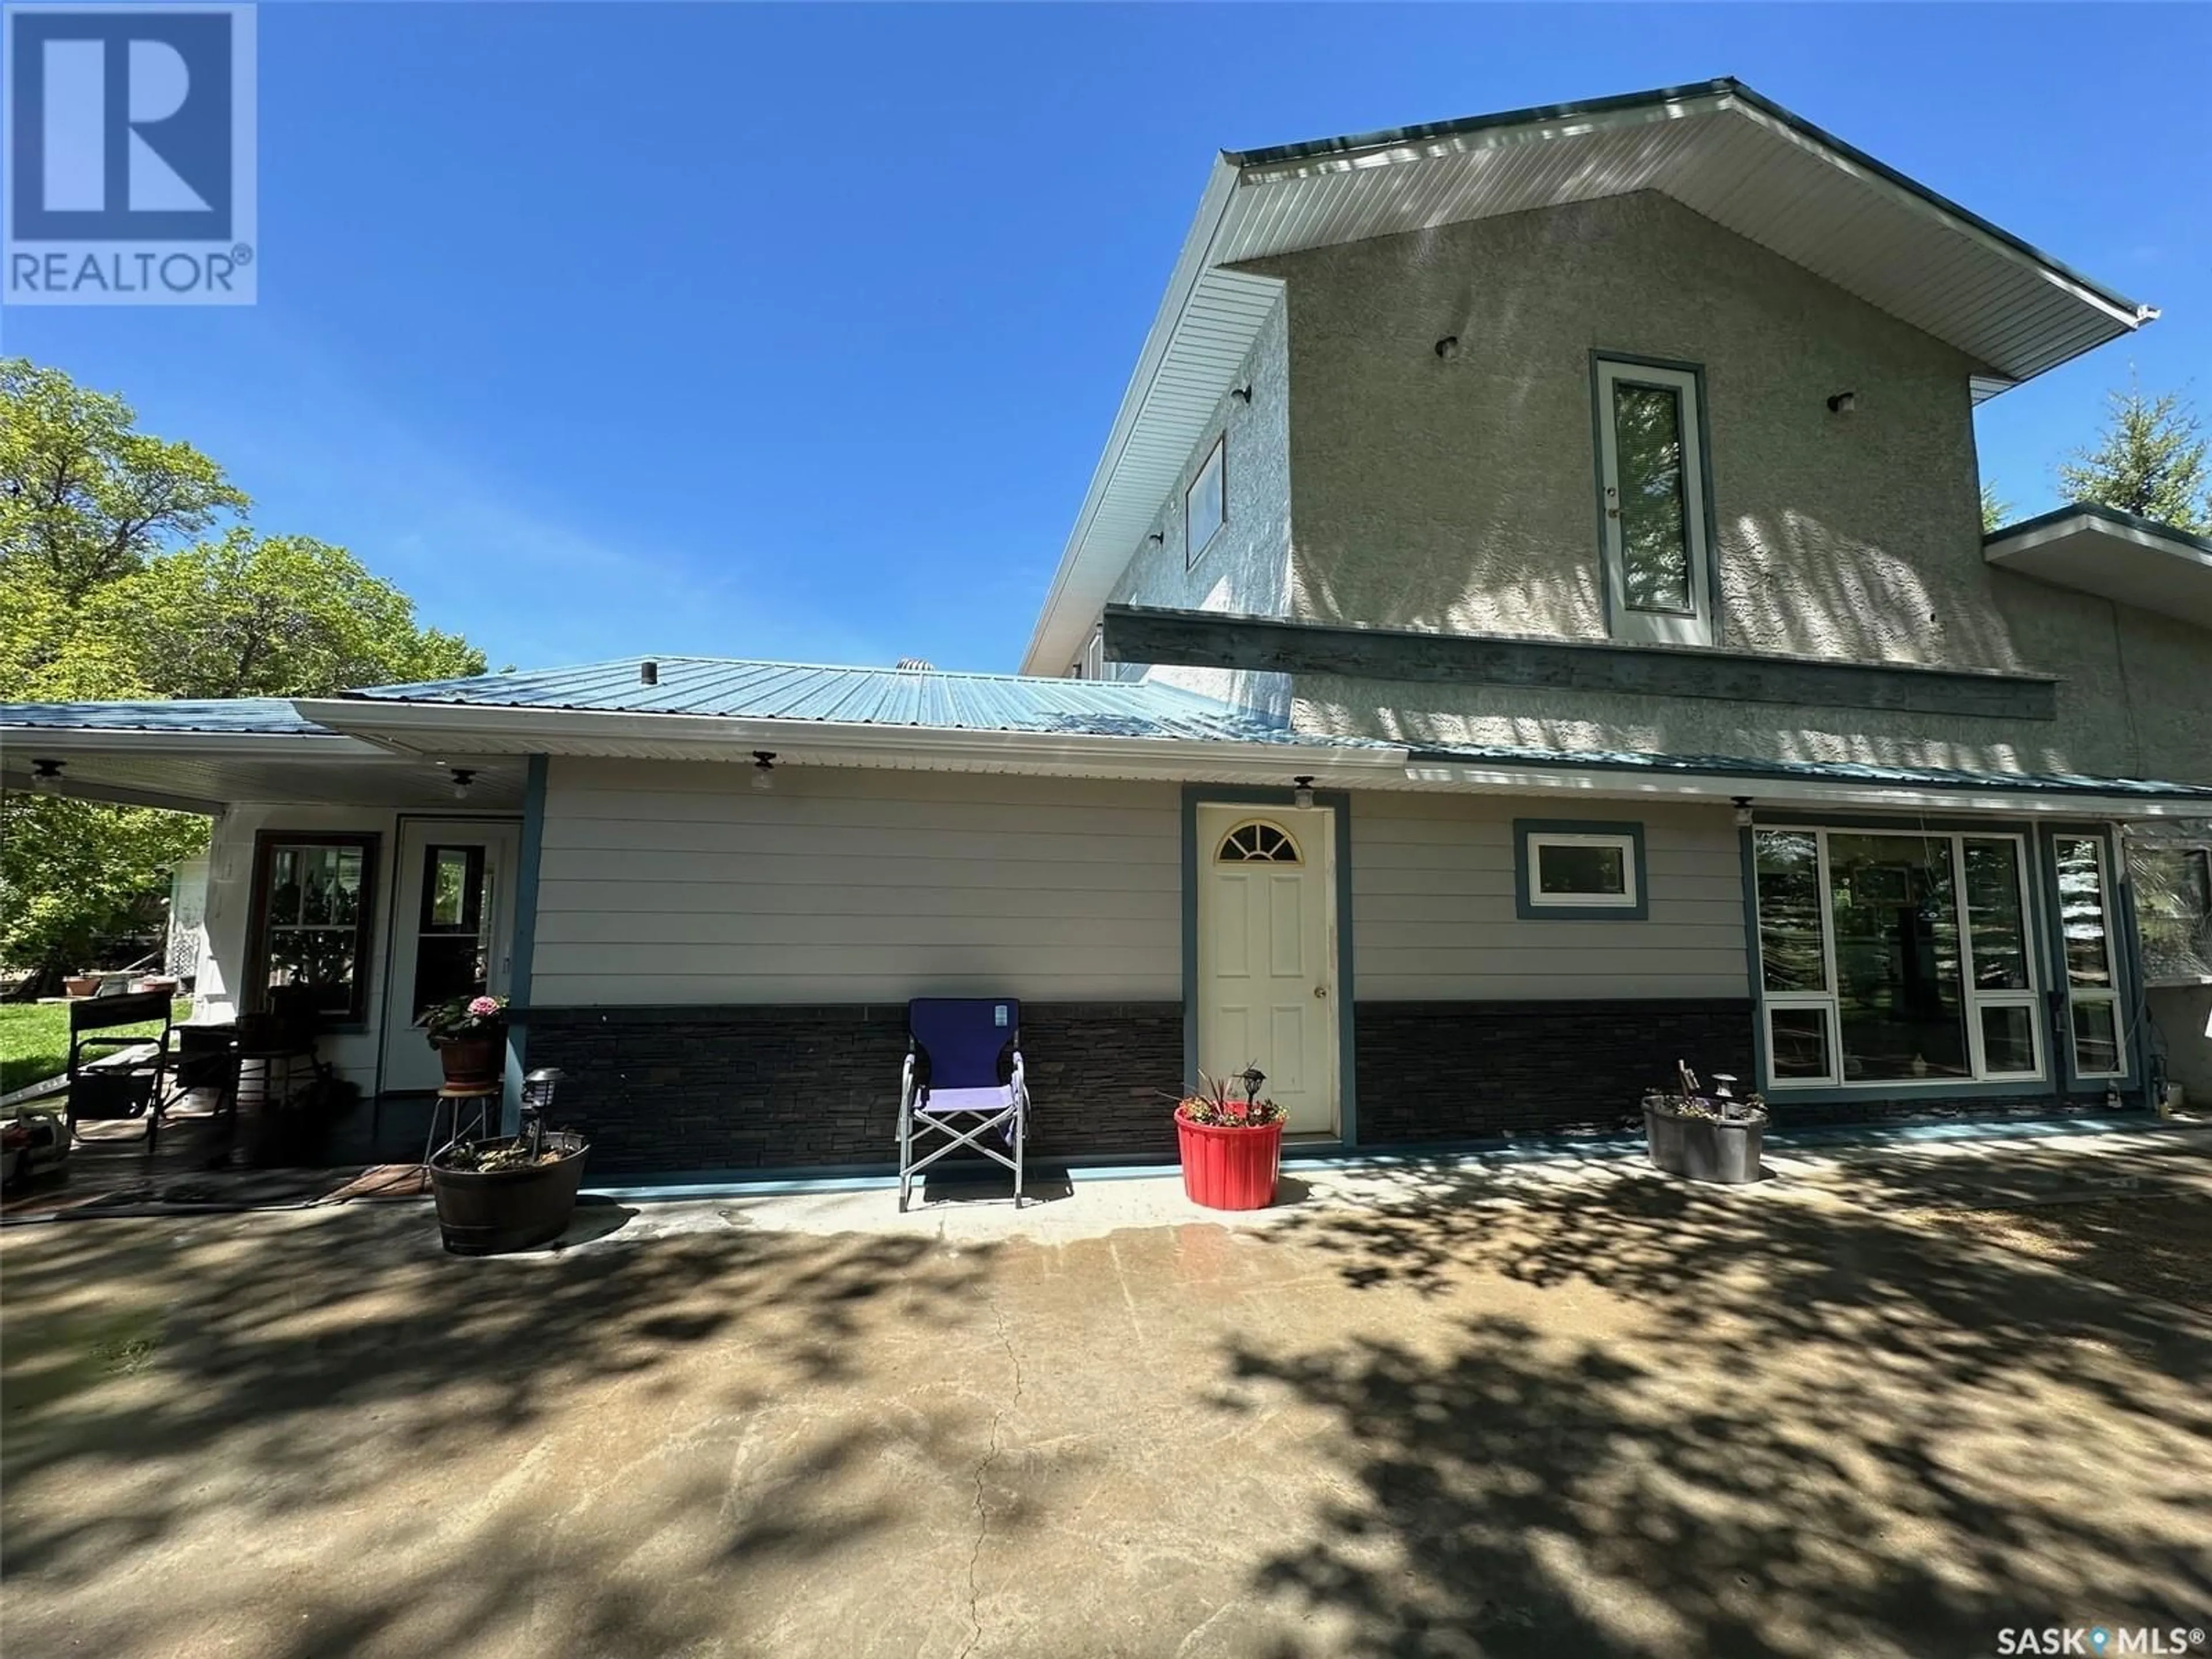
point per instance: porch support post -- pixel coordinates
(525, 943)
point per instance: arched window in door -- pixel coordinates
(1256, 841)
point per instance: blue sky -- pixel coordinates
(796, 332)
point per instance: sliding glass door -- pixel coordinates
(1896, 956)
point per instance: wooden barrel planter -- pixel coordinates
(490, 1211)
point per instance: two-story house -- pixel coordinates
(1531, 623)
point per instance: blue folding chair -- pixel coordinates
(950, 1086)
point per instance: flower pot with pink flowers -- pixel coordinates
(470, 1034)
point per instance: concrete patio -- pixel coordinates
(1891, 1402)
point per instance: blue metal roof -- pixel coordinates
(734, 689)
(249, 716)
(1813, 771)
(737, 690)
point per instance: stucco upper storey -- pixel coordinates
(1460, 494)
(1245, 570)
(1781, 204)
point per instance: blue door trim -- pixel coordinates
(531, 847)
(1339, 802)
(1754, 954)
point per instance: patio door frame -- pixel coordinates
(413, 834)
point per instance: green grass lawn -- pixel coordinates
(34, 1040)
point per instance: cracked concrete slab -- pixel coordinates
(1459, 1409)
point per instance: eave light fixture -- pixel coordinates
(763, 768)
(1743, 812)
(46, 776)
(464, 780)
(1301, 790)
(1243, 394)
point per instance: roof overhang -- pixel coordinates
(395, 755)
(2116, 555)
(437, 728)
(207, 772)
(1799, 794)
(1718, 147)
(426, 728)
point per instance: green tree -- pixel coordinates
(263, 617)
(74, 873)
(84, 496)
(1994, 508)
(105, 593)
(2150, 460)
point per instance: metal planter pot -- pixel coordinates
(1724, 1150)
(488, 1213)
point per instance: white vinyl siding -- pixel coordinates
(1434, 913)
(676, 882)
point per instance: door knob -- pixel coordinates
(1321, 990)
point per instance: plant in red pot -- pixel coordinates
(470, 1034)
(1232, 1146)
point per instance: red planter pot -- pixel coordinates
(1231, 1168)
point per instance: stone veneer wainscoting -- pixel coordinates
(674, 1090)
(1471, 1071)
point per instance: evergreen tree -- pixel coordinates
(2150, 460)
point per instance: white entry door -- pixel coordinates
(452, 933)
(1266, 955)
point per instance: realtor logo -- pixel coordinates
(130, 152)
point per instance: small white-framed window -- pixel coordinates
(1586, 870)
(1582, 870)
(1090, 664)
(1651, 471)
(2092, 990)
(1205, 503)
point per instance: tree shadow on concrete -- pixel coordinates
(1732, 1426)
(279, 1379)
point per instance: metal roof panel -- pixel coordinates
(232, 716)
(922, 699)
